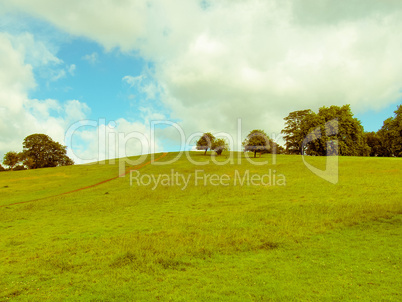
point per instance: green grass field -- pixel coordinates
(308, 240)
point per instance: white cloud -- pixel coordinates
(144, 84)
(21, 116)
(75, 110)
(149, 114)
(34, 52)
(71, 69)
(91, 58)
(42, 109)
(101, 140)
(14, 74)
(133, 81)
(57, 75)
(257, 60)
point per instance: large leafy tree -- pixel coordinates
(40, 151)
(293, 132)
(11, 159)
(257, 141)
(386, 137)
(373, 140)
(334, 130)
(219, 145)
(391, 134)
(205, 142)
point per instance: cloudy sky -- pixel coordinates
(94, 74)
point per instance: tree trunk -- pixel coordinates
(206, 151)
(255, 154)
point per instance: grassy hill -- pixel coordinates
(296, 238)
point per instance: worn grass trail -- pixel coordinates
(127, 171)
(307, 240)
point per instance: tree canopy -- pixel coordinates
(209, 141)
(205, 142)
(331, 131)
(390, 134)
(293, 132)
(11, 159)
(219, 145)
(373, 140)
(257, 141)
(40, 151)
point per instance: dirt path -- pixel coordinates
(91, 186)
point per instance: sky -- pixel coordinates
(122, 77)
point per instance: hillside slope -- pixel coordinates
(214, 234)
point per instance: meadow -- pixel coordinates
(301, 239)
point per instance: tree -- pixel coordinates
(26, 160)
(205, 142)
(386, 137)
(373, 140)
(19, 168)
(11, 159)
(294, 134)
(66, 161)
(2, 168)
(40, 151)
(219, 145)
(257, 141)
(334, 131)
(391, 134)
(279, 149)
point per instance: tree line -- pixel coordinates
(331, 131)
(39, 151)
(257, 141)
(388, 140)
